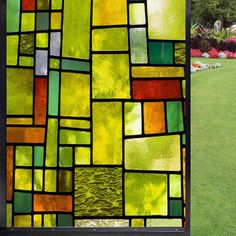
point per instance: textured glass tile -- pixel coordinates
(138, 45)
(42, 4)
(27, 22)
(26, 61)
(12, 49)
(38, 180)
(137, 222)
(41, 62)
(22, 221)
(56, 20)
(137, 14)
(82, 155)
(180, 53)
(9, 215)
(23, 179)
(42, 40)
(107, 123)
(164, 223)
(50, 181)
(23, 156)
(145, 194)
(55, 44)
(153, 153)
(65, 181)
(65, 157)
(49, 220)
(102, 223)
(74, 137)
(75, 65)
(37, 220)
(83, 124)
(175, 185)
(13, 15)
(27, 44)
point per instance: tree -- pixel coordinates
(206, 12)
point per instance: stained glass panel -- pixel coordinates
(96, 113)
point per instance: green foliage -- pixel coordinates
(206, 12)
(223, 34)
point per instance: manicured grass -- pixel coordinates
(213, 159)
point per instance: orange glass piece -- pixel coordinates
(154, 117)
(25, 135)
(10, 154)
(49, 203)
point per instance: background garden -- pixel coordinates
(213, 88)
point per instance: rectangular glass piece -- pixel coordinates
(153, 153)
(75, 65)
(74, 137)
(19, 121)
(13, 15)
(55, 44)
(76, 29)
(38, 180)
(110, 39)
(166, 19)
(137, 14)
(107, 123)
(157, 72)
(102, 223)
(80, 124)
(50, 181)
(175, 185)
(53, 93)
(41, 64)
(75, 95)
(164, 222)
(12, 49)
(110, 76)
(113, 15)
(138, 45)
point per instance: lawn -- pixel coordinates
(213, 159)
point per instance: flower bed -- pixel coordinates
(213, 53)
(198, 66)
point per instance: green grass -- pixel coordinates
(213, 159)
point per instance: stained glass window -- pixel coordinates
(96, 113)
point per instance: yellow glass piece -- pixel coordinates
(111, 76)
(175, 185)
(56, 20)
(49, 220)
(22, 221)
(164, 223)
(27, 22)
(54, 63)
(155, 71)
(42, 40)
(137, 14)
(26, 61)
(184, 88)
(82, 155)
(37, 220)
(76, 29)
(50, 180)
(23, 179)
(9, 215)
(110, 39)
(12, 49)
(137, 223)
(166, 19)
(19, 121)
(108, 12)
(56, 4)
(107, 133)
(38, 180)
(80, 124)
(51, 145)
(75, 95)
(23, 156)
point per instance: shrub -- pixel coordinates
(204, 45)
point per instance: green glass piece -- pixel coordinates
(166, 19)
(184, 88)
(176, 208)
(145, 194)
(42, 4)
(38, 155)
(98, 191)
(74, 137)
(110, 76)
(23, 156)
(175, 185)
(49, 220)
(82, 155)
(56, 4)
(38, 180)
(65, 157)
(180, 53)
(72, 123)
(54, 63)
(27, 22)
(27, 44)
(184, 139)
(26, 61)
(19, 91)
(133, 118)
(160, 53)
(42, 21)
(65, 181)
(53, 93)
(51, 145)
(110, 39)
(164, 222)
(153, 153)
(75, 65)
(107, 123)
(65, 220)
(13, 15)
(75, 95)
(22, 202)
(138, 44)
(12, 49)
(174, 117)
(76, 29)
(9, 215)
